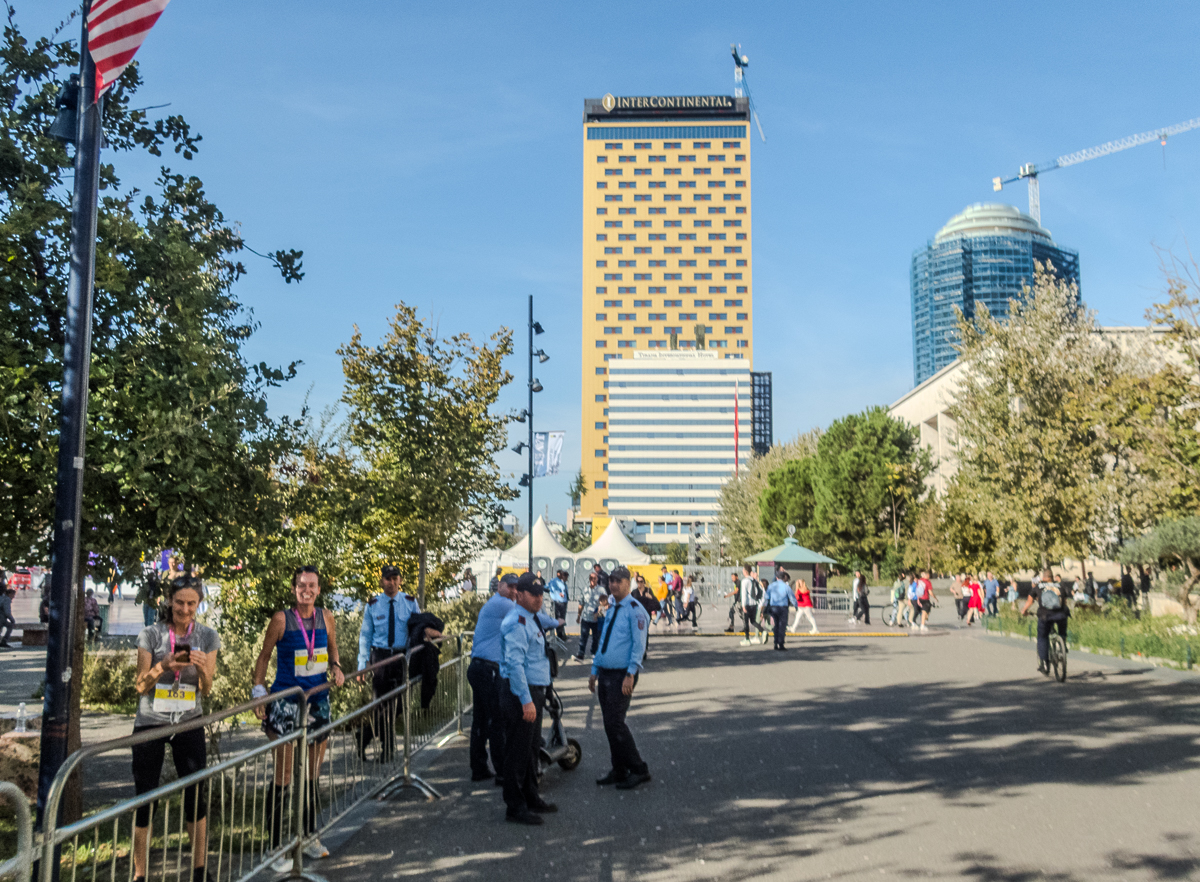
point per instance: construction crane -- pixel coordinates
(740, 63)
(1030, 171)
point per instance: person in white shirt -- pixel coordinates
(688, 599)
(751, 595)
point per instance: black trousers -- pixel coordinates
(614, 705)
(383, 719)
(732, 612)
(1045, 626)
(188, 752)
(584, 627)
(486, 726)
(750, 617)
(521, 742)
(780, 615)
(560, 612)
(863, 606)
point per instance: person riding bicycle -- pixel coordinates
(1052, 614)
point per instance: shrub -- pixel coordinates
(109, 679)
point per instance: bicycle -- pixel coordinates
(1058, 657)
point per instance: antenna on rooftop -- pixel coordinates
(740, 83)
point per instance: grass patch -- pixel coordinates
(1114, 629)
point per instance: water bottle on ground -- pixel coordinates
(20, 727)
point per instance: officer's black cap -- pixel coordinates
(618, 574)
(530, 583)
(389, 571)
(509, 579)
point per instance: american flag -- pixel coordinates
(116, 29)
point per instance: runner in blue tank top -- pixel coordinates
(306, 639)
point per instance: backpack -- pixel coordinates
(756, 591)
(1050, 598)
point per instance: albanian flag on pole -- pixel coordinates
(116, 29)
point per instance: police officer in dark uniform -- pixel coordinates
(487, 726)
(525, 674)
(385, 634)
(615, 670)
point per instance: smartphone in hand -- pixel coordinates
(183, 653)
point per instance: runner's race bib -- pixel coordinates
(318, 665)
(174, 698)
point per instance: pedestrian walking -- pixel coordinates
(615, 671)
(148, 597)
(589, 615)
(733, 595)
(687, 599)
(525, 674)
(925, 599)
(751, 595)
(974, 595)
(804, 607)
(91, 615)
(901, 611)
(643, 595)
(304, 642)
(384, 635)
(176, 661)
(7, 619)
(777, 600)
(991, 594)
(958, 588)
(483, 673)
(860, 594)
(556, 590)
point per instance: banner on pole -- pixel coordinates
(547, 453)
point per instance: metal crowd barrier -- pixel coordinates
(17, 868)
(833, 601)
(253, 817)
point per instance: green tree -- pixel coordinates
(180, 448)
(739, 515)
(424, 439)
(1171, 542)
(1033, 455)
(868, 472)
(789, 500)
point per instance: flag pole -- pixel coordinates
(68, 495)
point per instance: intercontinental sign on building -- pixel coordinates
(667, 271)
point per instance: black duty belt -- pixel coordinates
(483, 661)
(624, 671)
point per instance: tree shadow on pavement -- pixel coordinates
(781, 774)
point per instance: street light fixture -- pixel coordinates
(536, 326)
(542, 357)
(520, 417)
(536, 386)
(520, 446)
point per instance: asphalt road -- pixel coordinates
(938, 756)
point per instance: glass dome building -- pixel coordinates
(985, 255)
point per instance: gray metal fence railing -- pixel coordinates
(265, 803)
(17, 868)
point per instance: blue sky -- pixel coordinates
(431, 153)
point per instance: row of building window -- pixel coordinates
(669, 277)
(616, 224)
(667, 197)
(673, 249)
(683, 317)
(632, 264)
(662, 344)
(662, 237)
(667, 145)
(617, 304)
(683, 289)
(683, 209)
(662, 157)
(700, 170)
(662, 317)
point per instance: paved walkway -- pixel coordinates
(938, 756)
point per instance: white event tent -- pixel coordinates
(613, 544)
(544, 545)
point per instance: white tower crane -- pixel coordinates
(1030, 171)
(740, 63)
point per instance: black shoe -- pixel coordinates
(633, 781)
(1043, 668)
(481, 776)
(611, 778)
(544, 808)
(525, 817)
(577, 657)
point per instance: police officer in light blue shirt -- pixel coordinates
(525, 674)
(483, 674)
(384, 634)
(615, 670)
(556, 590)
(777, 600)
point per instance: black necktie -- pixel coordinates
(391, 623)
(611, 621)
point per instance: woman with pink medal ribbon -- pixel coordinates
(306, 643)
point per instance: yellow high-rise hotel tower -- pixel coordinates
(666, 267)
